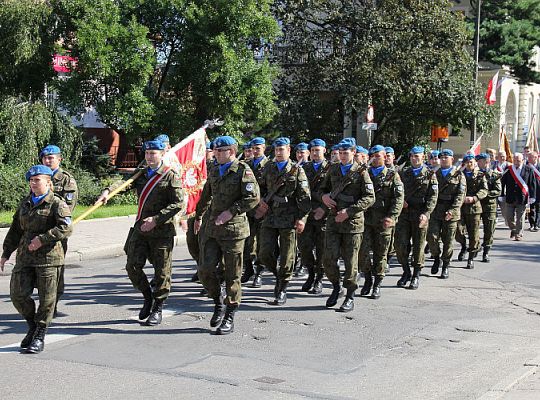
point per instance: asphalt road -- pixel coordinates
(451, 339)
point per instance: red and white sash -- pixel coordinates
(536, 172)
(519, 180)
(147, 189)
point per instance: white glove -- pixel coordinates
(532, 201)
(502, 198)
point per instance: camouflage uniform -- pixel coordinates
(352, 192)
(237, 191)
(163, 203)
(451, 194)
(420, 198)
(289, 203)
(314, 232)
(489, 209)
(388, 204)
(50, 221)
(470, 214)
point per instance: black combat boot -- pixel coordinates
(368, 283)
(461, 255)
(415, 279)
(147, 306)
(217, 316)
(248, 272)
(308, 284)
(156, 314)
(485, 255)
(405, 277)
(257, 280)
(281, 295)
(38, 341)
(334, 296)
(227, 325)
(348, 303)
(195, 277)
(29, 335)
(444, 273)
(435, 266)
(317, 285)
(376, 293)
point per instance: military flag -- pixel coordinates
(532, 139)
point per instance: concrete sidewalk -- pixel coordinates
(97, 238)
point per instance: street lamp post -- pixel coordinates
(476, 59)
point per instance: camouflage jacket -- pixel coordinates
(477, 188)
(420, 192)
(494, 185)
(291, 200)
(315, 179)
(389, 197)
(452, 190)
(50, 221)
(237, 191)
(356, 197)
(257, 171)
(66, 187)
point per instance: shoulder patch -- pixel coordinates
(249, 187)
(369, 186)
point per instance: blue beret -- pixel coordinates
(468, 157)
(282, 141)
(389, 150)
(447, 152)
(154, 145)
(376, 149)
(223, 141)
(164, 138)
(38, 170)
(212, 145)
(335, 147)
(347, 143)
(417, 150)
(48, 150)
(246, 145)
(434, 153)
(361, 149)
(482, 156)
(317, 142)
(257, 141)
(209, 146)
(301, 146)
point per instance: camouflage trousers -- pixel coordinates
(407, 230)
(192, 240)
(445, 231)
(378, 240)
(470, 225)
(276, 242)
(489, 221)
(346, 245)
(23, 281)
(159, 252)
(312, 238)
(251, 245)
(214, 252)
(60, 288)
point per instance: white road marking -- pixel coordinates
(52, 338)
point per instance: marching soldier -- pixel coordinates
(434, 161)
(257, 164)
(362, 155)
(421, 191)
(39, 225)
(230, 191)
(390, 158)
(65, 186)
(313, 235)
(380, 218)
(471, 210)
(445, 217)
(334, 154)
(160, 198)
(389, 162)
(489, 203)
(348, 192)
(285, 204)
(302, 153)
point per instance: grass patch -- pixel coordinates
(107, 211)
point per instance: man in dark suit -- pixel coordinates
(519, 189)
(534, 211)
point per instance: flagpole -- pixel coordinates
(476, 58)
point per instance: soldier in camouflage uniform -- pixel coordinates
(257, 164)
(313, 236)
(285, 204)
(39, 225)
(152, 236)
(380, 218)
(65, 186)
(389, 162)
(230, 191)
(348, 192)
(444, 219)
(421, 190)
(471, 210)
(489, 203)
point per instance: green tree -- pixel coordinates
(509, 33)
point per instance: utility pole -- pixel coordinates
(476, 60)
